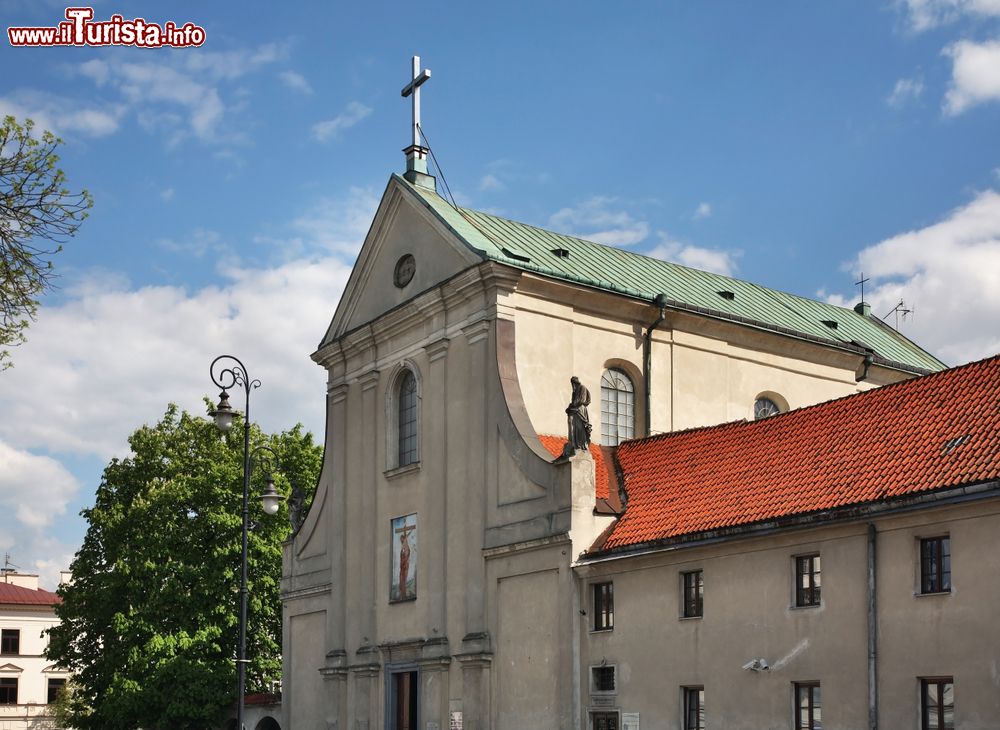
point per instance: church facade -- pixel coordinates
(460, 568)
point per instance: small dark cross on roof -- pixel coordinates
(413, 89)
(862, 283)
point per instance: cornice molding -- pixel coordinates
(437, 349)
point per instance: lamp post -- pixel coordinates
(228, 372)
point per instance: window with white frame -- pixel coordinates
(8, 690)
(10, 641)
(617, 407)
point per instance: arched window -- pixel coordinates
(764, 407)
(406, 399)
(617, 407)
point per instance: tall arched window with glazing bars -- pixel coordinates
(617, 407)
(407, 399)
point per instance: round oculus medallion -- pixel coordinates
(406, 267)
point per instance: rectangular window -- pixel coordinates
(937, 704)
(808, 706)
(8, 690)
(10, 641)
(604, 606)
(935, 565)
(604, 721)
(602, 679)
(807, 580)
(56, 686)
(694, 708)
(694, 593)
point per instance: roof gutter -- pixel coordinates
(841, 515)
(647, 360)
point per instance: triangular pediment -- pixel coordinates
(10, 668)
(404, 225)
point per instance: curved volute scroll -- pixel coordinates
(519, 421)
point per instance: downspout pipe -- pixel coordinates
(865, 364)
(647, 359)
(872, 630)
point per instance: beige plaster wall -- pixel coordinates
(401, 227)
(703, 372)
(749, 612)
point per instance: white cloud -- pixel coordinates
(338, 225)
(143, 84)
(975, 75)
(296, 82)
(706, 259)
(35, 489)
(34, 493)
(904, 91)
(949, 273)
(94, 69)
(111, 356)
(596, 220)
(490, 181)
(925, 14)
(60, 115)
(353, 113)
(230, 65)
(704, 210)
(167, 194)
(178, 95)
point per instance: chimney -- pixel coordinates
(24, 580)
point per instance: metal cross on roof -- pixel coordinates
(413, 89)
(862, 283)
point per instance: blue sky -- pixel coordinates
(792, 144)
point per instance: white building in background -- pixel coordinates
(29, 683)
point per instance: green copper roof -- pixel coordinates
(612, 269)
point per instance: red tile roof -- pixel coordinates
(10, 593)
(554, 445)
(928, 433)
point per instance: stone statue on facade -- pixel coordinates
(296, 505)
(578, 420)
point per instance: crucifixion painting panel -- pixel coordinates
(403, 574)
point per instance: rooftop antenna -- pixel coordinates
(899, 309)
(8, 567)
(862, 307)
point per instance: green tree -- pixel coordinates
(38, 213)
(150, 622)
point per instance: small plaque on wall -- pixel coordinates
(630, 721)
(602, 701)
(455, 722)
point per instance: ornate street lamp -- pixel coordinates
(228, 372)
